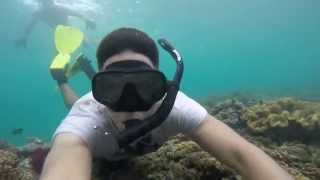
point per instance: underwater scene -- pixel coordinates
(253, 65)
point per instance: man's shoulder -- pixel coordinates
(87, 103)
(185, 103)
(185, 116)
(85, 114)
(88, 97)
(182, 100)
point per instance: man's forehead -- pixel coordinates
(128, 55)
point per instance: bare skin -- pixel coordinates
(212, 135)
(68, 94)
(69, 158)
(250, 162)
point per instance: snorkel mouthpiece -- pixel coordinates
(131, 134)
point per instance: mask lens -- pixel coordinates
(150, 85)
(108, 86)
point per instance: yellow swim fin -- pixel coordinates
(74, 68)
(67, 40)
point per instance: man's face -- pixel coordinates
(124, 116)
(127, 55)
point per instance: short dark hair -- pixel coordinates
(127, 39)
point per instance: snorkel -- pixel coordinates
(130, 134)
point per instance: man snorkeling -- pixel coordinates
(133, 109)
(52, 15)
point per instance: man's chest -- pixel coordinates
(107, 146)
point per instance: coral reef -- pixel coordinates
(33, 145)
(11, 168)
(297, 158)
(4, 145)
(178, 159)
(8, 163)
(36, 150)
(229, 111)
(284, 119)
(38, 157)
(245, 98)
(22, 163)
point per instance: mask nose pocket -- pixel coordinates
(130, 95)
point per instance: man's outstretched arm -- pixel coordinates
(69, 158)
(233, 150)
(68, 94)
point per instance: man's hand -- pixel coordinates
(86, 66)
(59, 75)
(69, 158)
(223, 143)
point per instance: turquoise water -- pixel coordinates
(266, 46)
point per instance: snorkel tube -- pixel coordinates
(131, 134)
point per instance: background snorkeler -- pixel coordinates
(51, 14)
